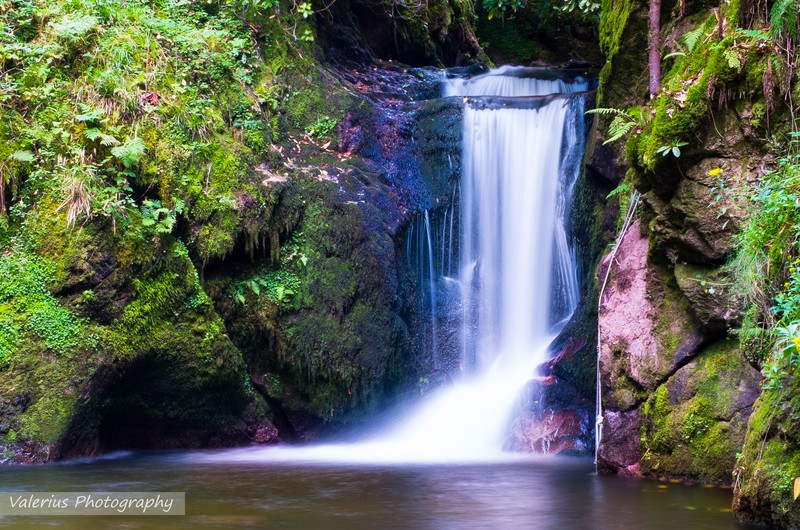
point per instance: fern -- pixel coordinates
(606, 111)
(23, 156)
(130, 152)
(89, 115)
(783, 17)
(72, 26)
(105, 139)
(622, 124)
(619, 127)
(756, 34)
(692, 37)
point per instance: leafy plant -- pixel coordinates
(693, 37)
(322, 127)
(162, 220)
(23, 156)
(783, 17)
(674, 148)
(305, 9)
(624, 121)
(130, 153)
(73, 26)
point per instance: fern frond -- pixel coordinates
(105, 139)
(619, 127)
(783, 17)
(757, 34)
(606, 111)
(692, 37)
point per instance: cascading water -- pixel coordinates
(518, 279)
(516, 276)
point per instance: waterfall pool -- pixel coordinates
(268, 489)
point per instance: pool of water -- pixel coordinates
(272, 489)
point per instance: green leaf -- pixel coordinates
(130, 152)
(88, 114)
(23, 156)
(94, 134)
(692, 37)
(73, 26)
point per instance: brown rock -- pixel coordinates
(620, 449)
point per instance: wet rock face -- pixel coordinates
(551, 432)
(620, 450)
(644, 331)
(556, 416)
(676, 398)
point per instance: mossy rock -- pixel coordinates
(646, 326)
(694, 423)
(770, 460)
(711, 296)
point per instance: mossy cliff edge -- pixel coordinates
(695, 298)
(198, 238)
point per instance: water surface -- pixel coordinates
(244, 489)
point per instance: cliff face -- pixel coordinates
(679, 368)
(200, 219)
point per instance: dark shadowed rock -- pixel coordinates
(620, 450)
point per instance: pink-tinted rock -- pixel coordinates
(646, 326)
(550, 432)
(620, 450)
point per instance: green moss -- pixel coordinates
(770, 460)
(613, 21)
(46, 420)
(692, 429)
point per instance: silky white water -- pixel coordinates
(516, 273)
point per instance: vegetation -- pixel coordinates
(143, 141)
(767, 267)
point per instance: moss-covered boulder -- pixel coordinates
(770, 460)
(675, 403)
(694, 424)
(115, 345)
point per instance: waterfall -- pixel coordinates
(517, 273)
(513, 284)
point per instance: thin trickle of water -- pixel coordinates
(432, 291)
(429, 253)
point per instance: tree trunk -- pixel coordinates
(654, 37)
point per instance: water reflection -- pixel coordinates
(529, 494)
